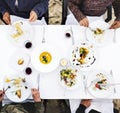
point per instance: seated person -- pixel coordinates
(83, 8)
(85, 104)
(28, 107)
(30, 9)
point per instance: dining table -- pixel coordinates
(49, 82)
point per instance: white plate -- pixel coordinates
(99, 39)
(45, 67)
(99, 24)
(13, 61)
(90, 60)
(76, 80)
(27, 34)
(93, 78)
(11, 92)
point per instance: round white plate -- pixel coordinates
(76, 81)
(13, 61)
(45, 67)
(93, 78)
(25, 28)
(98, 39)
(11, 92)
(90, 60)
(99, 24)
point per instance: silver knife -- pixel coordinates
(73, 41)
(38, 81)
(111, 73)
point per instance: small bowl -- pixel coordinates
(68, 33)
(63, 62)
(28, 70)
(28, 44)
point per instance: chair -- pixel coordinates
(65, 12)
(109, 13)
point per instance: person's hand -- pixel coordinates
(6, 18)
(33, 16)
(35, 95)
(115, 25)
(1, 95)
(86, 102)
(84, 22)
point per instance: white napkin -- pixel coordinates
(117, 36)
(37, 22)
(103, 105)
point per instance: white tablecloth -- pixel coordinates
(50, 88)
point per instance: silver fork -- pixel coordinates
(114, 38)
(111, 73)
(43, 39)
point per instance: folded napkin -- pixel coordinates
(37, 22)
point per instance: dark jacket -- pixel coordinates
(28, 107)
(81, 109)
(24, 7)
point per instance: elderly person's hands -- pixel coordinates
(84, 22)
(1, 95)
(6, 18)
(33, 16)
(36, 95)
(86, 102)
(115, 25)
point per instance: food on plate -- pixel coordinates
(45, 57)
(101, 82)
(18, 81)
(68, 77)
(18, 93)
(18, 29)
(20, 61)
(98, 31)
(63, 62)
(83, 53)
(7, 80)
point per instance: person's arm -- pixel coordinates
(41, 8)
(74, 7)
(39, 107)
(81, 109)
(1, 98)
(2, 8)
(83, 105)
(116, 23)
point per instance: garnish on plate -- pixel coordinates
(83, 53)
(20, 61)
(101, 83)
(18, 29)
(45, 57)
(98, 31)
(18, 93)
(68, 76)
